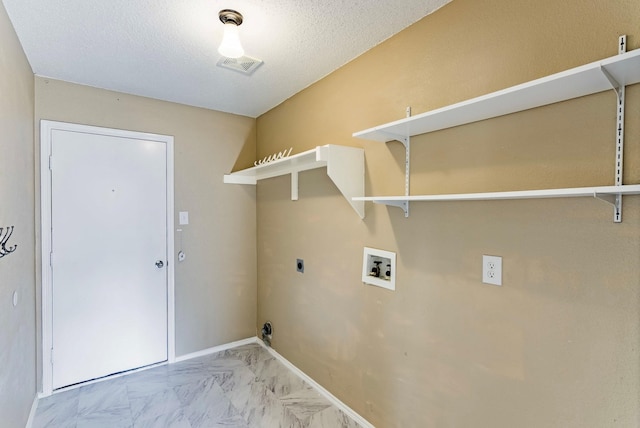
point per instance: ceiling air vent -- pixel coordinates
(244, 64)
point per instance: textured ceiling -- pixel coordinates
(167, 49)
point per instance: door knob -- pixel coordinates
(159, 264)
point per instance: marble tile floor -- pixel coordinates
(243, 387)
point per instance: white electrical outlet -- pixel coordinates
(492, 270)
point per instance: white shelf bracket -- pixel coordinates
(407, 172)
(615, 201)
(615, 85)
(294, 186)
(622, 44)
(617, 215)
(619, 90)
(407, 162)
(619, 150)
(345, 168)
(406, 142)
(403, 205)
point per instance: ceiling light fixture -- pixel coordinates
(230, 46)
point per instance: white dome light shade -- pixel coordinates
(231, 46)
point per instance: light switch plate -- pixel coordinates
(492, 270)
(184, 217)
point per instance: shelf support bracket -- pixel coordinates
(403, 205)
(614, 200)
(345, 168)
(619, 90)
(406, 141)
(294, 186)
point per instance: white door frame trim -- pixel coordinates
(46, 127)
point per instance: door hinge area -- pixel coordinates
(50, 162)
(51, 356)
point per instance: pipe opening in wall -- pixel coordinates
(267, 333)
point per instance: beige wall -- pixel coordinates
(216, 284)
(556, 345)
(17, 324)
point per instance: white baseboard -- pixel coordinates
(32, 413)
(216, 349)
(329, 396)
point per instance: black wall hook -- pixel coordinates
(5, 234)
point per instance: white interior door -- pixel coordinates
(109, 255)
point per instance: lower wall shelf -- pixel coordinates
(610, 194)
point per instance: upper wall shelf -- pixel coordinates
(614, 73)
(576, 82)
(345, 167)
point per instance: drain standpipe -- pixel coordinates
(267, 332)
